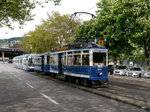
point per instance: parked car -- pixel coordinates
(120, 70)
(147, 74)
(135, 71)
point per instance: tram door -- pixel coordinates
(42, 63)
(60, 63)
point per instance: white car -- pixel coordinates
(120, 70)
(135, 71)
(147, 74)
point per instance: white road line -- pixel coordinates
(19, 78)
(17, 71)
(49, 98)
(9, 72)
(29, 85)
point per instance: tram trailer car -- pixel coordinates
(24, 62)
(84, 65)
(41, 62)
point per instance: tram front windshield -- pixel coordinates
(99, 59)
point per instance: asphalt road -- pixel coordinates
(22, 91)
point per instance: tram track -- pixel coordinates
(113, 92)
(131, 86)
(124, 94)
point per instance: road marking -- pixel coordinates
(29, 85)
(49, 98)
(17, 71)
(19, 78)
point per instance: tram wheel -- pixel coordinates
(70, 79)
(78, 81)
(85, 82)
(66, 78)
(56, 76)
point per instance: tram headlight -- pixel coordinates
(100, 73)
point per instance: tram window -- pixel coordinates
(24, 61)
(54, 59)
(69, 52)
(85, 59)
(51, 60)
(99, 58)
(69, 60)
(64, 59)
(30, 62)
(35, 60)
(76, 52)
(48, 59)
(38, 60)
(77, 60)
(86, 51)
(20, 61)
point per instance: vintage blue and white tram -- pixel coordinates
(24, 62)
(83, 63)
(86, 64)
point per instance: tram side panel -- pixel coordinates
(98, 74)
(89, 72)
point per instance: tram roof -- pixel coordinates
(42, 54)
(23, 56)
(79, 46)
(78, 49)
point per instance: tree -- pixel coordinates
(124, 23)
(118, 21)
(85, 32)
(61, 27)
(142, 35)
(56, 31)
(18, 11)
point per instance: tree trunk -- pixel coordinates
(147, 57)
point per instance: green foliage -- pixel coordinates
(56, 31)
(124, 23)
(18, 11)
(85, 31)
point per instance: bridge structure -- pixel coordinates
(6, 54)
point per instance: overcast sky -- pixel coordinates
(66, 7)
